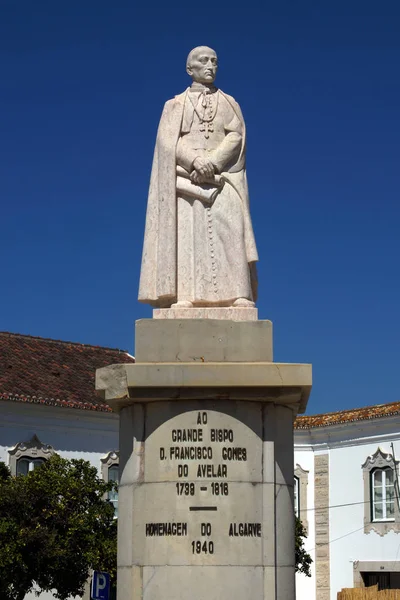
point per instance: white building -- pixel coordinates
(349, 498)
(345, 475)
(48, 404)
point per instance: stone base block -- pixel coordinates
(206, 501)
(209, 340)
(196, 583)
(221, 313)
(212, 583)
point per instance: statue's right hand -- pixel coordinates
(204, 167)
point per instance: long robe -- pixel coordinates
(178, 261)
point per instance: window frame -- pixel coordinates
(301, 475)
(383, 500)
(380, 461)
(111, 460)
(31, 461)
(296, 496)
(31, 450)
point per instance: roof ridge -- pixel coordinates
(58, 402)
(348, 410)
(55, 341)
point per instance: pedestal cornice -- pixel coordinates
(280, 383)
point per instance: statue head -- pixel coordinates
(202, 65)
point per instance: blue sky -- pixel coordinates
(81, 91)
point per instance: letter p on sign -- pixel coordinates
(100, 589)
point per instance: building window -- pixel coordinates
(113, 475)
(27, 456)
(296, 494)
(381, 512)
(24, 465)
(382, 482)
(300, 495)
(110, 472)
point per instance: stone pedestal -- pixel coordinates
(220, 313)
(206, 459)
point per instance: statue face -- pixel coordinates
(203, 65)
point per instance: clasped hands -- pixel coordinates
(203, 172)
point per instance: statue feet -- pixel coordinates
(182, 304)
(243, 303)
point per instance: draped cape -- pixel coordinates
(158, 276)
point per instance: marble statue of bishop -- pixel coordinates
(199, 248)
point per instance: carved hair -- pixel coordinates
(194, 51)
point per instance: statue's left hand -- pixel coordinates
(203, 170)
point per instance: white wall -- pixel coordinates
(72, 433)
(348, 542)
(348, 446)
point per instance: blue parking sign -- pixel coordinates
(100, 589)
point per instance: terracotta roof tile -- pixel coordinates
(57, 373)
(346, 416)
(44, 371)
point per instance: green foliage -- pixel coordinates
(55, 525)
(4, 472)
(303, 559)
